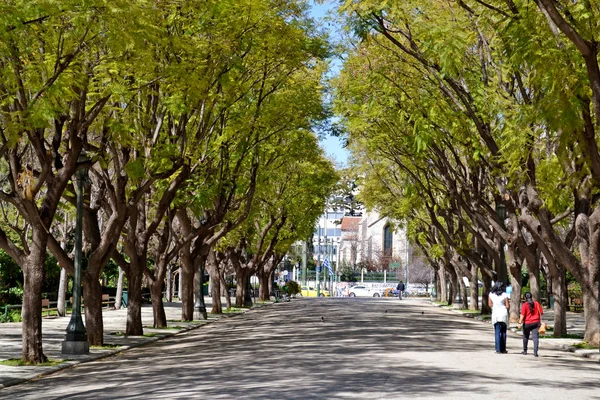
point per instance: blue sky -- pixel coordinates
(332, 146)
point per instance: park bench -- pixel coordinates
(576, 305)
(46, 307)
(108, 301)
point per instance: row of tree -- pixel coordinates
(475, 121)
(194, 121)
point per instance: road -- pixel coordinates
(334, 348)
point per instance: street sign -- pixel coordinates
(394, 265)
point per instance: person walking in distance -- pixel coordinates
(400, 289)
(530, 319)
(498, 301)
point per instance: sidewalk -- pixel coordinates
(575, 325)
(53, 329)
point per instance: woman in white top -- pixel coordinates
(498, 301)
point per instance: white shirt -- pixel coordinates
(499, 310)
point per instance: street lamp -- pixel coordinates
(76, 341)
(200, 298)
(502, 273)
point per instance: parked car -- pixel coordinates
(362, 291)
(310, 291)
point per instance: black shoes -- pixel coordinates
(524, 352)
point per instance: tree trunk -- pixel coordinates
(453, 290)
(31, 313)
(94, 324)
(487, 286)
(169, 286)
(243, 275)
(62, 293)
(158, 309)
(263, 282)
(515, 297)
(534, 281)
(474, 285)
(179, 284)
(559, 288)
(464, 297)
(215, 290)
(225, 288)
(442, 292)
(119, 297)
(186, 282)
(134, 325)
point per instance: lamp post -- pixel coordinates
(76, 341)
(200, 298)
(502, 273)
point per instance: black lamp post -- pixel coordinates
(200, 298)
(502, 273)
(76, 341)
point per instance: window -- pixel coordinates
(387, 240)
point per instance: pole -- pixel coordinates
(76, 341)
(200, 298)
(406, 267)
(304, 263)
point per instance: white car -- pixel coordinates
(362, 291)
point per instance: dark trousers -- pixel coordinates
(531, 329)
(500, 336)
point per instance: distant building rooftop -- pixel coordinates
(350, 224)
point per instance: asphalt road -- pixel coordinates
(332, 348)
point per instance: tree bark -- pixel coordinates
(119, 297)
(263, 282)
(442, 286)
(62, 293)
(134, 325)
(474, 285)
(158, 308)
(94, 325)
(31, 314)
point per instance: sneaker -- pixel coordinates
(524, 352)
(535, 354)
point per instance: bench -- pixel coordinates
(576, 305)
(108, 301)
(46, 306)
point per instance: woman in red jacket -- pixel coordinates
(531, 317)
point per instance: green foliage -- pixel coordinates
(291, 288)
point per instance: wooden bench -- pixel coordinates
(108, 301)
(576, 305)
(46, 306)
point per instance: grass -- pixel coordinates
(17, 362)
(567, 336)
(106, 346)
(175, 327)
(585, 345)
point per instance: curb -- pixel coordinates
(590, 354)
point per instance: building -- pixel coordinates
(372, 240)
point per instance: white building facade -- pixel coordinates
(372, 240)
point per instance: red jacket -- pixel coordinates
(531, 317)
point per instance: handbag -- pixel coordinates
(542, 328)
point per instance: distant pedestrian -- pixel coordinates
(498, 301)
(530, 319)
(400, 289)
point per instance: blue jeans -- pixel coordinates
(500, 336)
